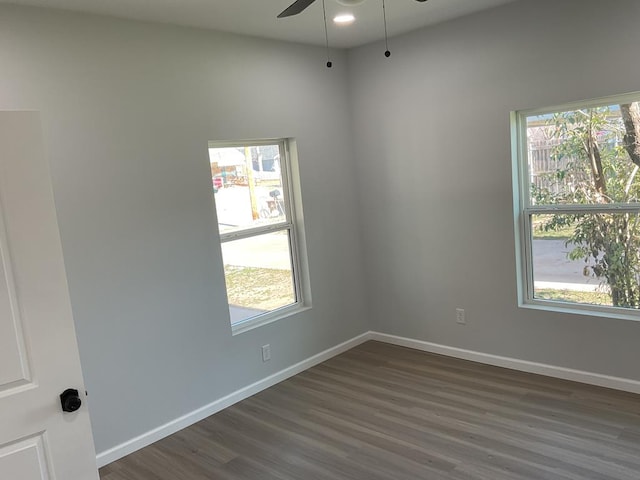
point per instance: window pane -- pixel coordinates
(585, 156)
(587, 258)
(259, 275)
(248, 186)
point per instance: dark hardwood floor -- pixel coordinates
(384, 412)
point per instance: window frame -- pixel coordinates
(523, 212)
(291, 225)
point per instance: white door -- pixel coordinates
(38, 351)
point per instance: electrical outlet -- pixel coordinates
(266, 353)
(460, 318)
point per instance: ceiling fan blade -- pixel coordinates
(295, 8)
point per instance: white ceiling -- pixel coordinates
(258, 17)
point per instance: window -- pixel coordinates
(577, 204)
(257, 224)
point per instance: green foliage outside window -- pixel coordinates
(596, 155)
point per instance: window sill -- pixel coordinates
(585, 310)
(267, 318)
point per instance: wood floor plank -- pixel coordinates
(382, 412)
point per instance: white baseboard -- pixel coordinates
(130, 446)
(597, 379)
(141, 441)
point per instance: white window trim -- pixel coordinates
(294, 226)
(523, 210)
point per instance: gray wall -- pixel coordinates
(431, 127)
(128, 109)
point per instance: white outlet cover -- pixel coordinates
(266, 353)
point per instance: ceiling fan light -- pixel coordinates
(344, 19)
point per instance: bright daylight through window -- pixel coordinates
(578, 205)
(252, 191)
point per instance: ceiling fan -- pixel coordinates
(300, 5)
